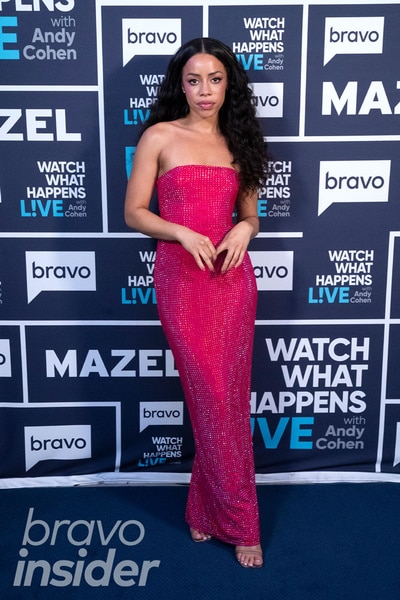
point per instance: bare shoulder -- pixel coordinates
(152, 143)
(159, 132)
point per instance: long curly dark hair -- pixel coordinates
(237, 117)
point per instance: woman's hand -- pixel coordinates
(199, 246)
(235, 245)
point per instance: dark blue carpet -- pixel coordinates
(321, 542)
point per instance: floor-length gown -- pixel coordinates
(208, 318)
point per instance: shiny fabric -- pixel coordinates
(208, 319)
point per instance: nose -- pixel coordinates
(205, 89)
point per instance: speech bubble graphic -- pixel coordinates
(60, 442)
(150, 37)
(273, 269)
(59, 272)
(353, 35)
(129, 157)
(353, 181)
(396, 459)
(160, 413)
(268, 99)
(5, 358)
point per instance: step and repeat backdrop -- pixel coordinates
(88, 386)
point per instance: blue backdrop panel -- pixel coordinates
(352, 91)
(130, 87)
(320, 403)
(48, 42)
(393, 280)
(267, 41)
(50, 167)
(87, 435)
(131, 367)
(78, 278)
(88, 385)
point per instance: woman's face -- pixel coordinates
(204, 81)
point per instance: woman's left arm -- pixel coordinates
(237, 239)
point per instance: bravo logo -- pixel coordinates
(62, 442)
(353, 181)
(150, 37)
(5, 358)
(160, 413)
(268, 99)
(59, 272)
(353, 35)
(273, 270)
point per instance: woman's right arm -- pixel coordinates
(139, 191)
(140, 188)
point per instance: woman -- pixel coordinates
(203, 149)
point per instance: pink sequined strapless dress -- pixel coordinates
(208, 319)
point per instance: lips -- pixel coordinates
(205, 105)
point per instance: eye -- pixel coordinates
(192, 81)
(216, 79)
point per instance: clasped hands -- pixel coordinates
(205, 253)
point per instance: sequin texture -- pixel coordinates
(208, 319)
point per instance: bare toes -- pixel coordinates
(249, 556)
(199, 536)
